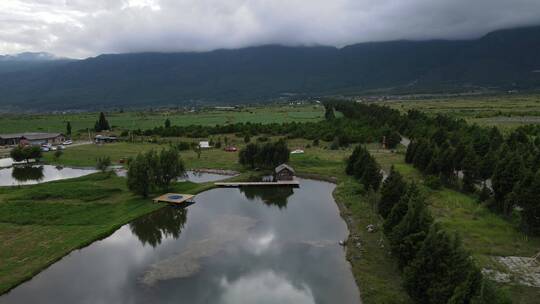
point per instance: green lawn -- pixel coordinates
(11, 123)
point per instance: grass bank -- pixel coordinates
(40, 224)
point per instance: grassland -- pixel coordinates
(12, 123)
(505, 111)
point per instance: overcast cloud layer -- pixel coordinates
(81, 28)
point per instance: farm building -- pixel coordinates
(204, 145)
(101, 139)
(31, 138)
(284, 172)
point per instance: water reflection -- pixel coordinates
(271, 196)
(166, 222)
(265, 287)
(27, 173)
(228, 250)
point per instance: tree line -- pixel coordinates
(266, 156)
(153, 170)
(435, 266)
(503, 171)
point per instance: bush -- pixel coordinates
(103, 163)
(433, 182)
(25, 153)
(57, 154)
(267, 156)
(183, 146)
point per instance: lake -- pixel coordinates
(250, 245)
(26, 175)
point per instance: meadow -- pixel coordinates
(13, 123)
(506, 111)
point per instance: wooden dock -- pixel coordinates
(292, 183)
(173, 198)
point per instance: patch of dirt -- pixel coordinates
(521, 270)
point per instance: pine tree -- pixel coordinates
(329, 112)
(68, 129)
(392, 190)
(411, 151)
(400, 209)
(440, 266)
(470, 170)
(102, 124)
(371, 178)
(407, 236)
(507, 174)
(167, 123)
(528, 196)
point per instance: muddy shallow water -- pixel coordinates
(251, 245)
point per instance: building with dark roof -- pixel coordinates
(31, 138)
(284, 172)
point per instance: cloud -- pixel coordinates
(265, 287)
(80, 28)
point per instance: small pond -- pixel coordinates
(29, 175)
(192, 176)
(251, 245)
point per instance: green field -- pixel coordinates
(505, 111)
(11, 123)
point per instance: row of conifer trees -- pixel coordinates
(435, 266)
(504, 171)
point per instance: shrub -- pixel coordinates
(102, 163)
(433, 182)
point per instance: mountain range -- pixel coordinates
(501, 60)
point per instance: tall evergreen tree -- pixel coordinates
(400, 209)
(507, 174)
(406, 237)
(68, 128)
(101, 124)
(371, 178)
(528, 197)
(167, 123)
(392, 190)
(439, 268)
(329, 112)
(470, 170)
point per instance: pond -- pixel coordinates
(29, 175)
(192, 176)
(251, 245)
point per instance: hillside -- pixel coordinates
(505, 59)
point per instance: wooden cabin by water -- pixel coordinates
(284, 172)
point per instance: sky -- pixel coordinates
(84, 28)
